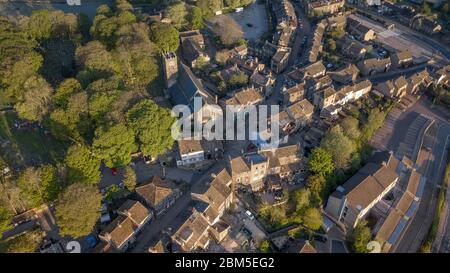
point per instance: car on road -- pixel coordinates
(114, 171)
(250, 215)
(249, 25)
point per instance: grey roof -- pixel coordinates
(187, 88)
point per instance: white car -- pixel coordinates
(250, 215)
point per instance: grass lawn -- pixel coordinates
(32, 144)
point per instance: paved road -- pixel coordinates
(430, 166)
(443, 236)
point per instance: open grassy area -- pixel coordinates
(27, 146)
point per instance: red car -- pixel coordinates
(114, 171)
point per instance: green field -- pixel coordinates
(27, 146)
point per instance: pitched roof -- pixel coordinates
(135, 211)
(306, 247)
(247, 96)
(156, 190)
(192, 230)
(119, 230)
(369, 182)
(301, 109)
(187, 88)
(314, 68)
(238, 165)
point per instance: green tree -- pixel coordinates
(78, 209)
(195, 18)
(265, 247)
(374, 121)
(350, 127)
(164, 36)
(40, 24)
(123, 5)
(115, 145)
(5, 219)
(152, 125)
(36, 101)
(238, 80)
(360, 237)
(94, 62)
(83, 166)
(317, 185)
(312, 218)
(100, 104)
(339, 146)
(320, 162)
(39, 185)
(139, 66)
(426, 9)
(51, 183)
(209, 7)
(66, 89)
(301, 198)
(27, 242)
(331, 45)
(129, 178)
(177, 13)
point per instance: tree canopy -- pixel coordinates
(78, 209)
(360, 237)
(339, 146)
(165, 37)
(115, 145)
(129, 178)
(312, 218)
(39, 185)
(320, 162)
(83, 166)
(154, 138)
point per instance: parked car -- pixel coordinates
(250, 215)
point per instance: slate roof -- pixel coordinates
(187, 88)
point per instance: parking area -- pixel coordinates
(252, 20)
(143, 173)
